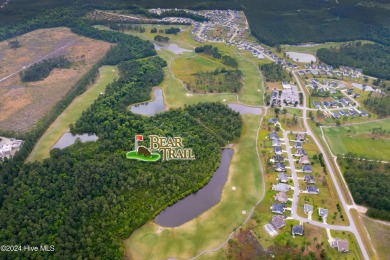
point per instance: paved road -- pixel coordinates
(352, 225)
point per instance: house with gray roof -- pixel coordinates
(279, 167)
(300, 152)
(277, 208)
(273, 136)
(278, 150)
(312, 189)
(297, 230)
(282, 177)
(278, 221)
(272, 120)
(277, 158)
(298, 145)
(309, 179)
(300, 137)
(323, 213)
(281, 187)
(306, 168)
(308, 209)
(275, 142)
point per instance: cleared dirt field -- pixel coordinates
(23, 104)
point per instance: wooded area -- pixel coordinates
(274, 72)
(369, 183)
(219, 80)
(374, 59)
(42, 69)
(379, 105)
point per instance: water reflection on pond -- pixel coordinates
(68, 139)
(152, 107)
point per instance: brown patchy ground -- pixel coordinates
(23, 104)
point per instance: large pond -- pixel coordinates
(197, 203)
(301, 57)
(242, 109)
(171, 47)
(68, 139)
(152, 107)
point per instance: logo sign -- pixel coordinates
(171, 148)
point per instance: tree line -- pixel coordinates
(42, 69)
(374, 59)
(379, 105)
(369, 183)
(160, 38)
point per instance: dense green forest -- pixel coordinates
(42, 69)
(217, 81)
(369, 183)
(214, 52)
(374, 59)
(379, 105)
(274, 72)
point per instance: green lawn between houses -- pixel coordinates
(70, 115)
(358, 139)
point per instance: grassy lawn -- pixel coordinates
(357, 139)
(380, 235)
(212, 227)
(71, 114)
(354, 249)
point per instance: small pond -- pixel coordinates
(195, 204)
(242, 109)
(68, 139)
(151, 107)
(301, 57)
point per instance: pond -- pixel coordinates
(195, 204)
(150, 108)
(68, 139)
(301, 57)
(242, 109)
(171, 47)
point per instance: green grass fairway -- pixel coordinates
(71, 114)
(212, 227)
(357, 139)
(152, 158)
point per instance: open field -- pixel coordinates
(212, 227)
(23, 104)
(380, 236)
(72, 113)
(359, 139)
(354, 250)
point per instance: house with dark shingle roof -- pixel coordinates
(277, 208)
(309, 179)
(279, 167)
(306, 168)
(272, 120)
(275, 142)
(273, 136)
(278, 150)
(298, 145)
(300, 137)
(312, 189)
(277, 158)
(297, 230)
(300, 152)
